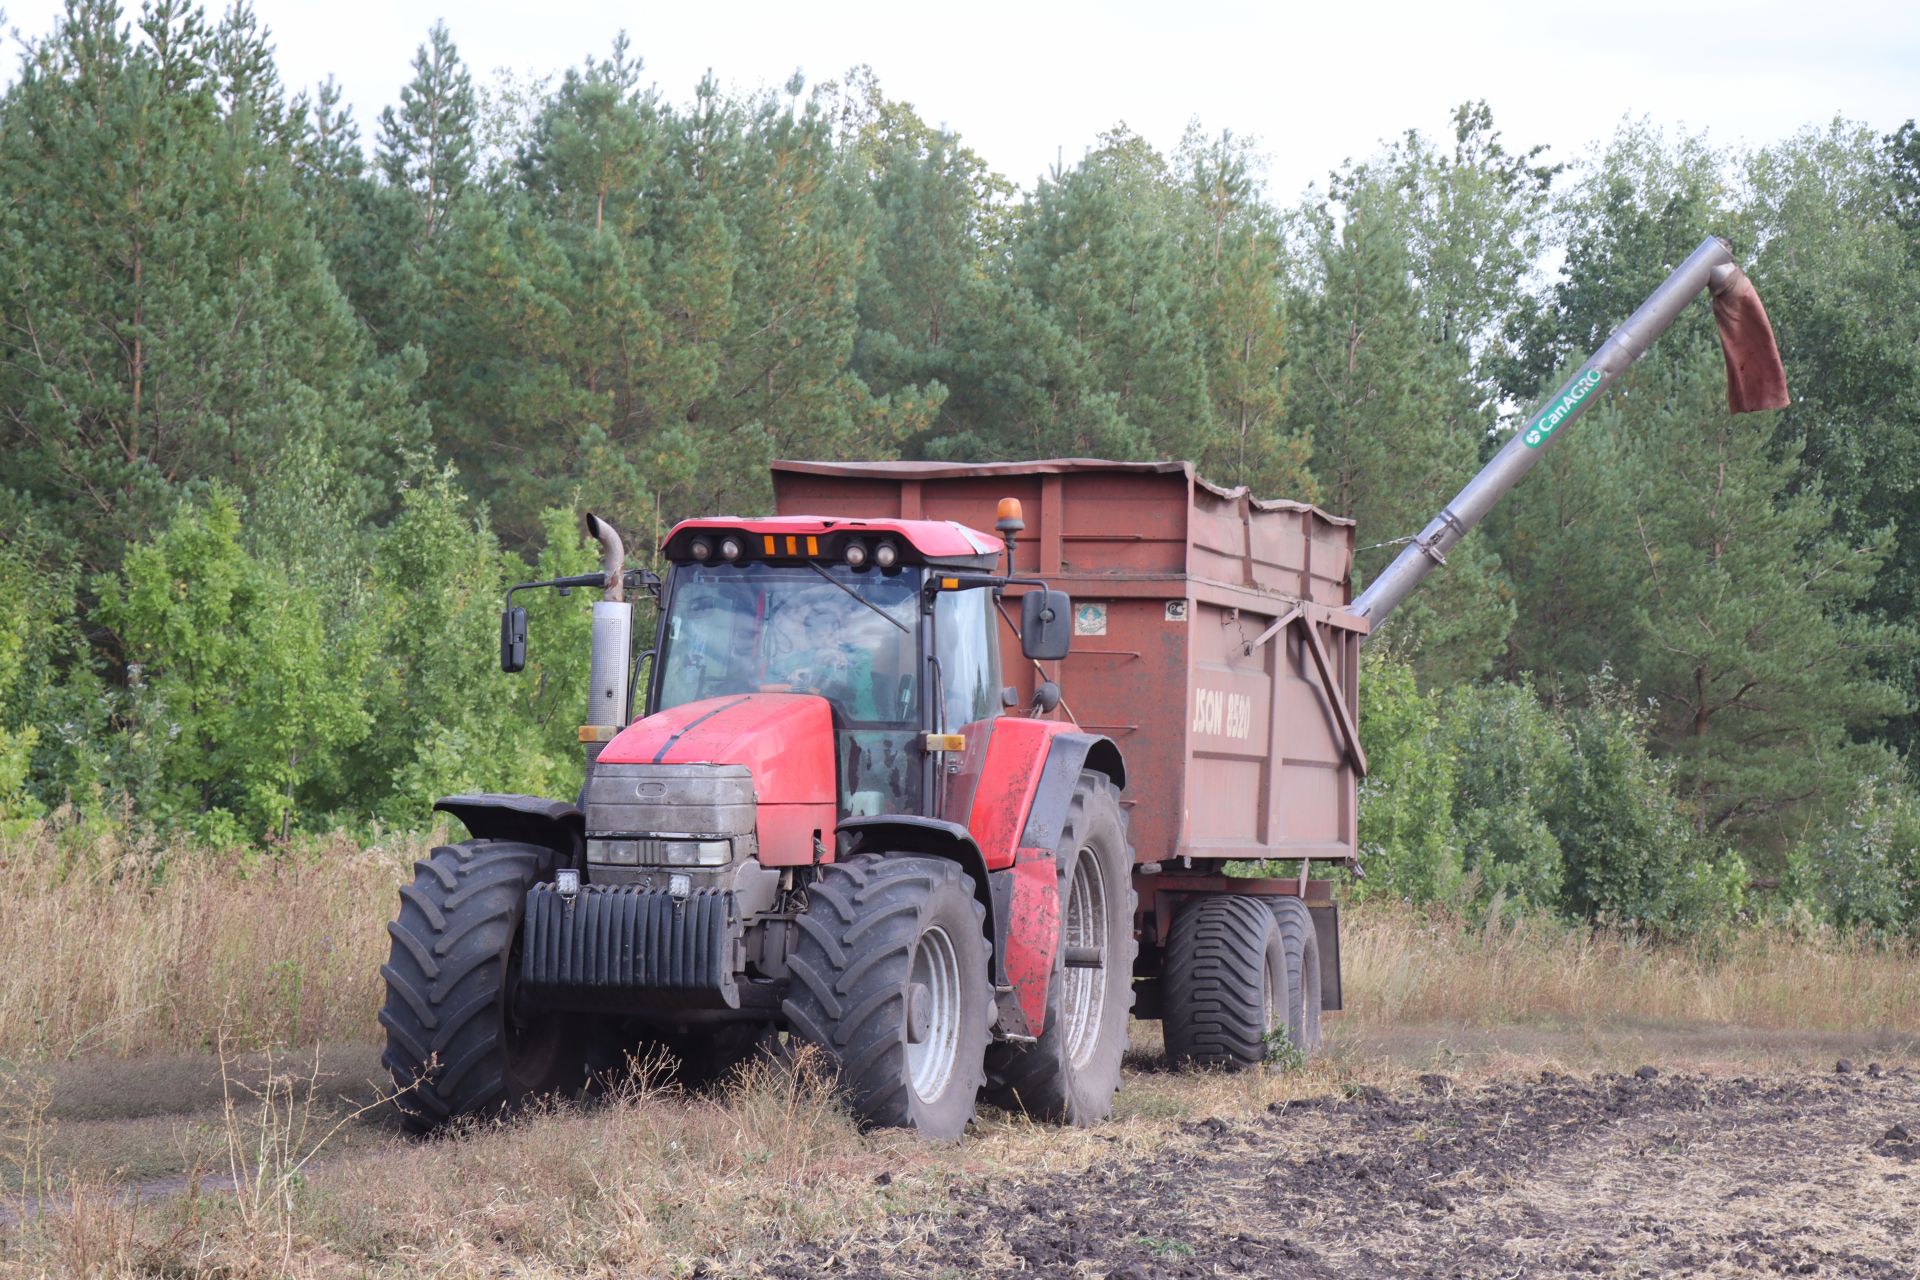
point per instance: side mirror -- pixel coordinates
(513, 640)
(1046, 624)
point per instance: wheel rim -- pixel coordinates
(1084, 990)
(936, 970)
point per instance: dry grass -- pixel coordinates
(1403, 966)
(647, 1183)
(126, 950)
(130, 950)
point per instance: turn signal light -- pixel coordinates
(946, 742)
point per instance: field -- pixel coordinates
(191, 1088)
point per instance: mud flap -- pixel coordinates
(1326, 929)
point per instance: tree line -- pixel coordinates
(284, 404)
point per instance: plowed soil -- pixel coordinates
(1641, 1174)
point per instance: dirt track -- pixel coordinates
(1606, 1175)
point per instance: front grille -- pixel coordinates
(619, 938)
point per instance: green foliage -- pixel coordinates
(1407, 836)
(1864, 871)
(444, 718)
(1394, 430)
(1840, 280)
(17, 739)
(1483, 793)
(237, 704)
(1511, 761)
(1632, 856)
(426, 147)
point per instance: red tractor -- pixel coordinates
(825, 826)
(840, 818)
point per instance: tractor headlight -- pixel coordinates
(654, 852)
(697, 853)
(886, 555)
(730, 549)
(700, 549)
(618, 853)
(856, 554)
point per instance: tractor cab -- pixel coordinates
(891, 622)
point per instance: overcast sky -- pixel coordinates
(1315, 84)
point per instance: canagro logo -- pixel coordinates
(1549, 421)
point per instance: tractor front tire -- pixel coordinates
(1236, 982)
(1069, 1075)
(890, 981)
(456, 1044)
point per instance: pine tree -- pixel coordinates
(1395, 429)
(1841, 279)
(1235, 258)
(1745, 627)
(426, 147)
(172, 320)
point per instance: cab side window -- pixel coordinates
(969, 653)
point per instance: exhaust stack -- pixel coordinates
(611, 665)
(1755, 380)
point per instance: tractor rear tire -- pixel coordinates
(1233, 983)
(456, 1043)
(1069, 1075)
(890, 981)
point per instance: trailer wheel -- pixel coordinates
(1302, 945)
(1070, 1073)
(457, 1044)
(1233, 978)
(890, 980)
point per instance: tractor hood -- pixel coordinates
(784, 739)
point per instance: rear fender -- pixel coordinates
(553, 824)
(1019, 811)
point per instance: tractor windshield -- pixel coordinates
(850, 636)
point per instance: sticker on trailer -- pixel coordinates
(1218, 712)
(1090, 619)
(1176, 611)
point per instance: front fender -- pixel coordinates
(553, 824)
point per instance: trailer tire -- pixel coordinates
(1302, 945)
(1069, 1075)
(885, 945)
(456, 1045)
(1229, 983)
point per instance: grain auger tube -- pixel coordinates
(1755, 381)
